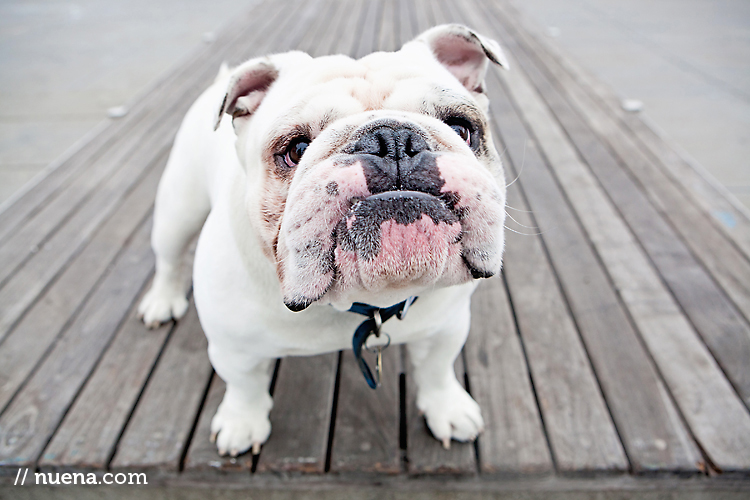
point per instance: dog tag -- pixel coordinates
(379, 365)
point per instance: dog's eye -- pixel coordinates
(295, 150)
(461, 127)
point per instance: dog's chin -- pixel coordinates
(397, 241)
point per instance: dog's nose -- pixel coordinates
(397, 155)
(389, 142)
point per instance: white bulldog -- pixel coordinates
(325, 182)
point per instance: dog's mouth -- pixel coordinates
(360, 230)
(397, 238)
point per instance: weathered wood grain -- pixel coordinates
(317, 32)
(731, 219)
(513, 441)
(25, 285)
(581, 433)
(366, 38)
(366, 439)
(28, 422)
(717, 417)
(88, 434)
(27, 344)
(715, 317)
(403, 23)
(580, 429)
(301, 415)
(388, 28)
(157, 434)
(728, 265)
(645, 418)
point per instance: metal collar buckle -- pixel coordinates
(373, 326)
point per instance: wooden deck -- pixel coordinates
(613, 355)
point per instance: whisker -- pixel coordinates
(514, 220)
(523, 162)
(522, 234)
(519, 210)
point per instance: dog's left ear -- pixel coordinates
(249, 83)
(463, 52)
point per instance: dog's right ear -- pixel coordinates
(247, 87)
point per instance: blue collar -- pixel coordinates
(371, 326)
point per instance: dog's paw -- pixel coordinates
(161, 304)
(235, 432)
(451, 413)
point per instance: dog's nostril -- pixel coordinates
(414, 145)
(382, 146)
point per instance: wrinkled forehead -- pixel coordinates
(335, 86)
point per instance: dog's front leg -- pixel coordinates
(449, 410)
(241, 421)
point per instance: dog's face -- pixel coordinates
(374, 179)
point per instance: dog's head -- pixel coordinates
(373, 179)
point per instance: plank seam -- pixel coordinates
(194, 426)
(334, 411)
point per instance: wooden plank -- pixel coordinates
(157, 434)
(366, 438)
(425, 454)
(513, 442)
(728, 215)
(88, 434)
(327, 42)
(28, 422)
(76, 162)
(644, 418)
(301, 415)
(716, 416)
(27, 344)
(715, 317)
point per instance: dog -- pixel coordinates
(320, 185)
